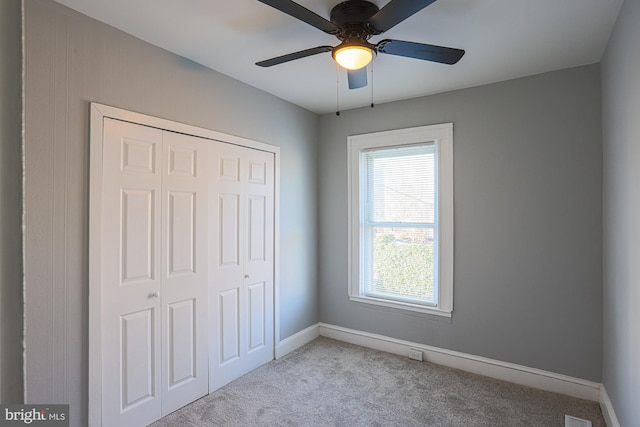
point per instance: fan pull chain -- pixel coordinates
(371, 84)
(337, 91)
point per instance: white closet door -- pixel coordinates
(131, 274)
(184, 271)
(241, 265)
(154, 272)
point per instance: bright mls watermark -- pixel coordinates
(34, 415)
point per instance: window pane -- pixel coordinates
(401, 185)
(402, 263)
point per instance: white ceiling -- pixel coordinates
(503, 39)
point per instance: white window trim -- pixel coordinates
(442, 136)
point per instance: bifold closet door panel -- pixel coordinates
(131, 281)
(184, 270)
(258, 254)
(154, 272)
(241, 265)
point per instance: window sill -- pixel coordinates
(402, 305)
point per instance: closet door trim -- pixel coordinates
(97, 115)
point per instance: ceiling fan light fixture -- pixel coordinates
(353, 56)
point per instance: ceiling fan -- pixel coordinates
(354, 22)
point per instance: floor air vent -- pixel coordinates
(570, 421)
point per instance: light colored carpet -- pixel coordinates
(331, 383)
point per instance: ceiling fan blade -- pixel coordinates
(293, 56)
(294, 9)
(395, 12)
(426, 52)
(357, 78)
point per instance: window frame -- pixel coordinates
(441, 136)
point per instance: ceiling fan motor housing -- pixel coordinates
(352, 18)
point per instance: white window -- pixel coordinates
(401, 218)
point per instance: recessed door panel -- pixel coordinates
(229, 325)
(257, 217)
(182, 342)
(137, 226)
(137, 358)
(257, 313)
(229, 229)
(138, 155)
(229, 168)
(182, 161)
(257, 172)
(182, 229)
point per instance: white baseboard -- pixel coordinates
(297, 340)
(518, 374)
(608, 413)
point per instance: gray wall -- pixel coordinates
(621, 139)
(11, 337)
(72, 60)
(528, 197)
(528, 222)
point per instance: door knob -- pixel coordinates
(155, 294)
(246, 276)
